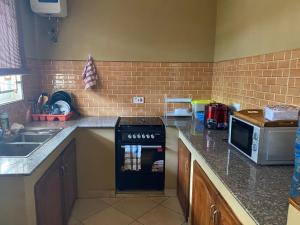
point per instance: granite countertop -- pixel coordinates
(263, 191)
(18, 166)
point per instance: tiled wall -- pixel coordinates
(259, 80)
(32, 88)
(120, 81)
(252, 81)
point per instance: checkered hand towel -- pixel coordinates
(89, 74)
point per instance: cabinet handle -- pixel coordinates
(212, 209)
(62, 171)
(216, 217)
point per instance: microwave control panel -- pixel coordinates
(255, 143)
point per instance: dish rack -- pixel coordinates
(51, 117)
(176, 100)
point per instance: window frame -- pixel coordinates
(22, 92)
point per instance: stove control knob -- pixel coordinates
(129, 136)
(134, 136)
(143, 136)
(139, 136)
(152, 136)
(148, 136)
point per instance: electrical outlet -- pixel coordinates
(138, 100)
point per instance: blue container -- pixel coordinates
(200, 116)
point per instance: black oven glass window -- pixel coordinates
(241, 136)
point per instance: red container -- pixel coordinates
(61, 118)
(49, 117)
(216, 116)
(35, 117)
(43, 117)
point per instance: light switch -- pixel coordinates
(138, 100)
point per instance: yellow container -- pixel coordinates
(198, 105)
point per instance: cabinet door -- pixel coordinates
(225, 215)
(69, 178)
(183, 186)
(203, 198)
(48, 197)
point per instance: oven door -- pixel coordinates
(143, 158)
(140, 167)
(241, 135)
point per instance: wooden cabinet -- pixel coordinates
(56, 190)
(203, 198)
(48, 197)
(208, 206)
(225, 214)
(183, 182)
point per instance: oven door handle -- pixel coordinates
(147, 146)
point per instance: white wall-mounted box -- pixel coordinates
(52, 8)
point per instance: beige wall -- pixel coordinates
(254, 27)
(134, 30)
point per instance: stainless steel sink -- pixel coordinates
(17, 150)
(23, 144)
(37, 138)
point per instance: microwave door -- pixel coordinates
(242, 136)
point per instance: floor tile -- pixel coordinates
(73, 221)
(111, 201)
(135, 223)
(135, 207)
(86, 207)
(173, 204)
(158, 199)
(109, 216)
(161, 216)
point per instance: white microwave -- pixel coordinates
(263, 145)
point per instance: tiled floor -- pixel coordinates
(127, 211)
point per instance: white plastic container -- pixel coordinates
(52, 8)
(281, 112)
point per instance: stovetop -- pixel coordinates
(140, 121)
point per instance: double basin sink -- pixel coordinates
(26, 142)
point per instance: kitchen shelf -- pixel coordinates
(177, 114)
(178, 100)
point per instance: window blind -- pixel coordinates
(11, 49)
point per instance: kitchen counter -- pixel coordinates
(18, 166)
(262, 191)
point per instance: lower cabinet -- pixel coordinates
(183, 180)
(208, 206)
(48, 197)
(56, 191)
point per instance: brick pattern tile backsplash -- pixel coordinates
(259, 80)
(119, 82)
(252, 81)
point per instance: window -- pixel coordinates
(11, 89)
(11, 53)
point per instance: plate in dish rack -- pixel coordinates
(64, 107)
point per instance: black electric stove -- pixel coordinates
(140, 153)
